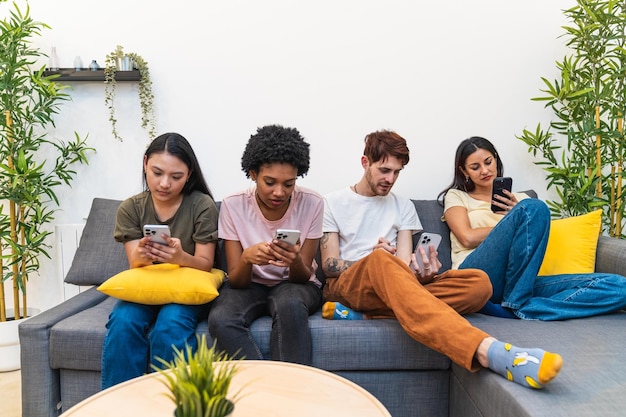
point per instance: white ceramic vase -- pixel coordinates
(10, 342)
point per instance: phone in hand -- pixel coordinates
(289, 236)
(500, 184)
(155, 231)
(425, 241)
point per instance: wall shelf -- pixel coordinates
(85, 74)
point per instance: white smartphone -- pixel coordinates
(288, 235)
(155, 231)
(426, 240)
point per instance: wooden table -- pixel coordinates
(268, 388)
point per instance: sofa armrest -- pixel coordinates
(611, 255)
(41, 395)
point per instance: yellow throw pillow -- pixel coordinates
(164, 284)
(572, 245)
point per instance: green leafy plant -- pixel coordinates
(583, 149)
(199, 381)
(146, 97)
(28, 177)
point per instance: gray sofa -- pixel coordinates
(61, 347)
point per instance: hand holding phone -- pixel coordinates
(289, 236)
(499, 185)
(155, 231)
(426, 241)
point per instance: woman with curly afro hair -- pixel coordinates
(267, 276)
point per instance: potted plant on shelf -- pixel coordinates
(199, 381)
(115, 62)
(32, 165)
(583, 150)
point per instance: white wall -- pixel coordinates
(436, 72)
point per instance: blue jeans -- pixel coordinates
(289, 305)
(512, 254)
(138, 333)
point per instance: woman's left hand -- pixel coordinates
(505, 203)
(170, 253)
(283, 253)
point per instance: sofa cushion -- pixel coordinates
(98, 256)
(164, 284)
(359, 345)
(591, 382)
(76, 342)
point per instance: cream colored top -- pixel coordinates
(480, 215)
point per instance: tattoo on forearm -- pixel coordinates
(337, 265)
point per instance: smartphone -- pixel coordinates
(500, 184)
(425, 241)
(288, 235)
(155, 231)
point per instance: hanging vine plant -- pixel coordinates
(113, 63)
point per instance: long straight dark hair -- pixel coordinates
(464, 150)
(176, 145)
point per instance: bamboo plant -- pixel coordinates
(583, 149)
(199, 381)
(32, 165)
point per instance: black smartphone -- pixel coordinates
(500, 184)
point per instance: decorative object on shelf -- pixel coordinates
(29, 100)
(583, 151)
(94, 65)
(53, 59)
(199, 381)
(114, 62)
(78, 64)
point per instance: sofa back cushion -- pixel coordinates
(430, 212)
(98, 256)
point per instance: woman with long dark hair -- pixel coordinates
(509, 245)
(175, 194)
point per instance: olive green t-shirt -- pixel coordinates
(194, 221)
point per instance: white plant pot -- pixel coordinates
(10, 341)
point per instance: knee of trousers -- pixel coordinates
(482, 289)
(535, 207)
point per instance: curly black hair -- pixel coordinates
(275, 143)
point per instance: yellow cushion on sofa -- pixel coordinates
(572, 245)
(164, 284)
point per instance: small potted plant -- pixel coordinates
(113, 63)
(199, 381)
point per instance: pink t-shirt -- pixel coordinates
(241, 220)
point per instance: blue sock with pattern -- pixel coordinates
(529, 367)
(332, 310)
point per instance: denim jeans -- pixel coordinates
(289, 305)
(137, 334)
(512, 254)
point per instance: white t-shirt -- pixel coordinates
(480, 215)
(241, 219)
(361, 220)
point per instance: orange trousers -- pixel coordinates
(383, 286)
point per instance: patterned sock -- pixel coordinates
(529, 367)
(332, 310)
